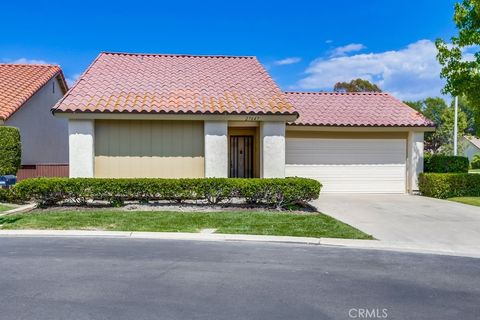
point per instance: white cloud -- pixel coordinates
(286, 61)
(410, 73)
(352, 47)
(29, 61)
(328, 41)
(71, 80)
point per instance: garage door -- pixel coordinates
(349, 165)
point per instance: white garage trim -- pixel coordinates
(350, 165)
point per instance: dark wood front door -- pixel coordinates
(241, 157)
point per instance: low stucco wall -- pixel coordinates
(141, 148)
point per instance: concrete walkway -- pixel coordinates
(418, 221)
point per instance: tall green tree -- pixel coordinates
(446, 130)
(460, 60)
(356, 85)
(437, 110)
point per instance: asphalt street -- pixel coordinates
(94, 278)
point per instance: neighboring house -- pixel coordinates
(472, 147)
(27, 94)
(152, 115)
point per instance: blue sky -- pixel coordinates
(305, 45)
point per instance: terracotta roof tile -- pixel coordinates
(155, 83)
(19, 82)
(354, 109)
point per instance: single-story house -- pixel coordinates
(472, 147)
(157, 115)
(27, 93)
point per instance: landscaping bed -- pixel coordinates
(232, 222)
(271, 192)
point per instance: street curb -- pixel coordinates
(158, 235)
(326, 242)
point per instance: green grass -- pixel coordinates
(474, 201)
(474, 171)
(260, 223)
(4, 207)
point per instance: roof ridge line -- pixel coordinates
(178, 55)
(336, 93)
(30, 64)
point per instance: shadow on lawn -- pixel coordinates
(9, 219)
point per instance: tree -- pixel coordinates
(437, 110)
(10, 150)
(460, 66)
(473, 126)
(445, 131)
(357, 85)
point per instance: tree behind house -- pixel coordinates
(437, 110)
(460, 59)
(357, 85)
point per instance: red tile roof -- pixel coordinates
(19, 82)
(354, 110)
(156, 83)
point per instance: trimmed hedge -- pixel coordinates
(274, 192)
(10, 150)
(6, 195)
(446, 164)
(449, 185)
(475, 162)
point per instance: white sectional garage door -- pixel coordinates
(349, 165)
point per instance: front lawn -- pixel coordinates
(260, 223)
(474, 201)
(4, 207)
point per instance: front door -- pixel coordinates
(241, 156)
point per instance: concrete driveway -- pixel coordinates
(427, 223)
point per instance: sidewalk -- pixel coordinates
(344, 243)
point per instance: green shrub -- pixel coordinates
(445, 164)
(274, 192)
(448, 185)
(475, 162)
(10, 150)
(5, 195)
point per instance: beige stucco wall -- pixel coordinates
(142, 148)
(44, 137)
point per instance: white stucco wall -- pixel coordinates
(44, 137)
(415, 159)
(81, 135)
(272, 145)
(216, 149)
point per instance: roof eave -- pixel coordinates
(297, 126)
